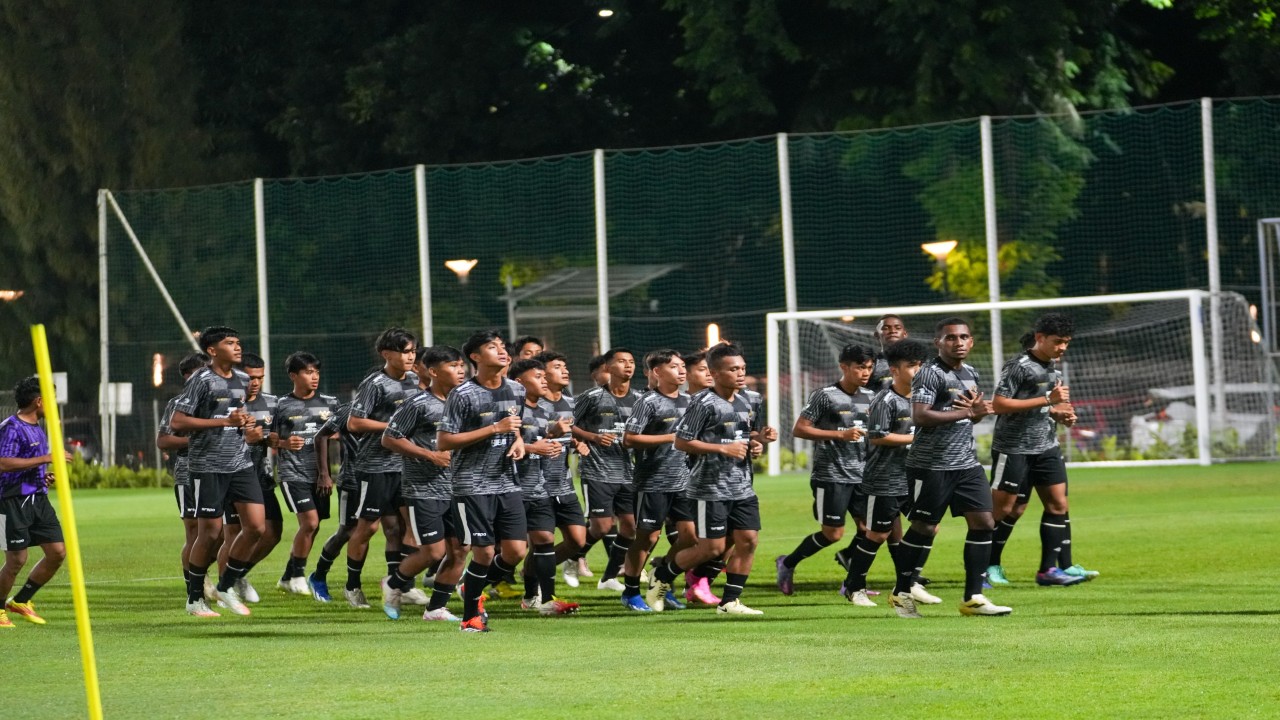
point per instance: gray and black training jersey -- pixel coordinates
(950, 446)
(662, 468)
(712, 419)
(482, 468)
(885, 473)
(555, 471)
(377, 398)
(831, 408)
(208, 396)
(533, 426)
(418, 421)
(296, 417)
(598, 410)
(348, 445)
(263, 410)
(181, 464)
(1029, 432)
(881, 378)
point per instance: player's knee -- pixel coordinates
(55, 553)
(834, 534)
(877, 537)
(746, 543)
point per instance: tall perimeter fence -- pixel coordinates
(645, 248)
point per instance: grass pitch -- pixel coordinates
(1183, 621)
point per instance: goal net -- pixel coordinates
(1148, 383)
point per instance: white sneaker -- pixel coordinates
(611, 584)
(298, 586)
(355, 598)
(440, 615)
(200, 608)
(904, 605)
(584, 570)
(231, 601)
(246, 591)
(859, 598)
(924, 597)
(656, 597)
(416, 596)
(571, 573)
(979, 605)
(736, 608)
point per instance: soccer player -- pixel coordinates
(884, 479)
(836, 419)
(889, 330)
(697, 373)
(599, 417)
(661, 471)
(481, 428)
(697, 581)
(943, 467)
(377, 469)
(298, 419)
(716, 432)
(347, 490)
(570, 518)
(26, 516)
(427, 489)
(527, 347)
(1030, 401)
(211, 411)
(598, 368)
(176, 446)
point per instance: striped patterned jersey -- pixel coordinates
(662, 468)
(209, 395)
(1029, 432)
(598, 410)
(533, 426)
(950, 446)
(296, 417)
(555, 471)
(418, 421)
(180, 463)
(831, 408)
(263, 409)
(482, 468)
(885, 473)
(377, 398)
(712, 419)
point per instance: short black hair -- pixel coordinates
(595, 363)
(26, 391)
(722, 351)
(192, 363)
(1026, 340)
(614, 352)
(215, 334)
(395, 339)
(521, 367)
(300, 361)
(252, 360)
(479, 339)
(1054, 324)
(437, 354)
(856, 354)
(946, 322)
(546, 357)
(660, 357)
(888, 316)
(693, 358)
(906, 350)
(518, 344)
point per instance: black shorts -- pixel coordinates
(1017, 474)
(832, 501)
(882, 510)
(27, 520)
(933, 491)
(568, 510)
(430, 521)
(717, 518)
(302, 497)
(186, 501)
(214, 492)
(608, 499)
(348, 506)
(379, 495)
(487, 519)
(539, 514)
(653, 509)
(271, 511)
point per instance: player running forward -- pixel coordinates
(697, 580)
(716, 433)
(661, 471)
(481, 428)
(570, 518)
(211, 412)
(377, 469)
(26, 516)
(347, 491)
(836, 418)
(175, 445)
(599, 417)
(890, 431)
(1030, 401)
(943, 469)
(299, 417)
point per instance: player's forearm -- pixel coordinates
(928, 417)
(165, 441)
(1005, 405)
(13, 464)
(183, 422)
(362, 426)
(809, 432)
(403, 446)
(636, 440)
(457, 441)
(893, 440)
(698, 447)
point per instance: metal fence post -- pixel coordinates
(789, 281)
(104, 347)
(602, 253)
(993, 246)
(1215, 273)
(264, 312)
(424, 256)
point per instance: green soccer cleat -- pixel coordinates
(1079, 571)
(995, 575)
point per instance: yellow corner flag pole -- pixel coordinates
(65, 509)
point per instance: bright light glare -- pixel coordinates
(11, 295)
(605, 13)
(846, 318)
(461, 268)
(1257, 336)
(157, 370)
(713, 334)
(939, 250)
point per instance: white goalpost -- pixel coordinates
(1144, 375)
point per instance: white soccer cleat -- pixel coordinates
(584, 570)
(391, 599)
(924, 597)
(859, 598)
(611, 584)
(656, 597)
(980, 605)
(735, 607)
(440, 615)
(571, 573)
(356, 599)
(210, 591)
(200, 608)
(246, 591)
(416, 596)
(904, 605)
(298, 586)
(231, 601)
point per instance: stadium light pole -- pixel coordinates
(461, 268)
(940, 250)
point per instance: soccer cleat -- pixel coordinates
(319, 588)
(611, 584)
(924, 597)
(699, 588)
(298, 586)
(5, 622)
(735, 607)
(995, 575)
(285, 586)
(556, 606)
(26, 611)
(1079, 571)
(1054, 576)
(904, 605)
(980, 605)
(200, 608)
(210, 591)
(843, 559)
(440, 614)
(504, 591)
(671, 602)
(356, 599)
(636, 603)
(391, 598)
(246, 591)
(416, 596)
(656, 598)
(644, 576)
(531, 603)
(584, 570)
(230, 599)
(786, 576)
(571, 573)
(859, 598)
(474, 625)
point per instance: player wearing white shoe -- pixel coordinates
(262, 407)
(570, 519)
(175, 445)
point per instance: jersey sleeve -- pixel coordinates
(368, 395)
(758, 424)
(10, 443)
(1010, 379)
(880, 418)
(640, 416)
(695, 420)
(816, 407)
(924, 387)
(456, 411)
(193, 395)
(166, 421)
(584, 408)
(402, 423)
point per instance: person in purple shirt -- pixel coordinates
(26, 517)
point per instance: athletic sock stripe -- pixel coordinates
(918, 547)
(977, 542)
(864, 552)
(1045, 524)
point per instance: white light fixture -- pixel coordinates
(846, 318)
(461, 268)
(605, 13)
(713, 334)
(939, 250)
(157, 370)
(11, 295)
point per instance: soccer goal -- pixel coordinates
(1146, 381)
